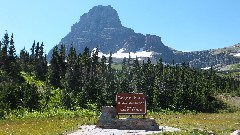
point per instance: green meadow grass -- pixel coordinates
(53, 122)
(47, 126)
(200, 123)
(66, 122)
(117, 66)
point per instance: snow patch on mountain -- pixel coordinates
(121, 54)
(206, 68)
(237, 55)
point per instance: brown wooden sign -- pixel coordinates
(131, 103)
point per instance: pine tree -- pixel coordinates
(72, 82)
(110, 62)
(95, 63)
(4, 53)
(97, 78)
(37, 50)
(40, 62)
(32, 55)
(103, 79)
(1, 62)
(124, 64)
(14, 68)
(86, 62)
(32, 58)
(54, 75)
(31, 96)
(62, 62)
(148, 80)
(0, 46)
(158, 88)
(136, 80)
(24, 60)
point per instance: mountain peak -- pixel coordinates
(101, 27)
(100, 17)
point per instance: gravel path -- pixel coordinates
(92, 130)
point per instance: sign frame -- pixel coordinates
(131, 104)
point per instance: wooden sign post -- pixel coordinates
(131, 104)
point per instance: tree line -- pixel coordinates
(71, 81)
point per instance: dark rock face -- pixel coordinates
(102, 28)
(100, 17)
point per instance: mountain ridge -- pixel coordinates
(102, 28)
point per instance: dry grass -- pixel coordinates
(47, 126)
(218, 123)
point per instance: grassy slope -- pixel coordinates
(48, 123)
(219, 123)
(65, 121)
(47, 126)
(117, 66)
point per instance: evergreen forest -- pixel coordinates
(71, 81)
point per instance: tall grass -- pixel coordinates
(55, 121)
(60, 113)
(59, 121)
(200, 123)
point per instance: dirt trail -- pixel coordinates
(92, 130)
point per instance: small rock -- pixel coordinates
(237, 132)
(210, 132)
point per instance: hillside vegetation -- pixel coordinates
(76, 80)
(48, 98)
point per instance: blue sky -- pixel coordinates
(186, 25)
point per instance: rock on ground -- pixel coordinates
(237, 132)
(93, 130)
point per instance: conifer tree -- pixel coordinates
(37, 50)
(95, 62)
(62, 61)
(54, 76)
(32, 55)
(110, 62)
(103, 78)
(86, 62)
(40, 62)
(0, 46)
(31, 96)
(158, 89)
(124, 64)
(136, 79)
(149, 77)
(72, 89)
(32, 58)
(24, 60)
(4, 53)
(14, 69)
(1, 62)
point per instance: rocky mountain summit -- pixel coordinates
(102, 28)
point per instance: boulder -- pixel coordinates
(108, 120)
(237, 132)
(107, 114)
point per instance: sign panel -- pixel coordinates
(131, 103)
